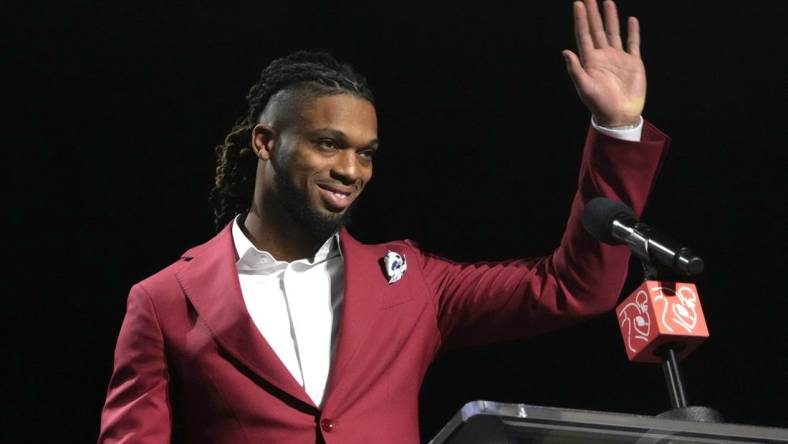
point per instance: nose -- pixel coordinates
(347, 168)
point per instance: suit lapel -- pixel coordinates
(364, 283)
(210, 281)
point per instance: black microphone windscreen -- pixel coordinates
(598, 216)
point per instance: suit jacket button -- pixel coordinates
(327, 425)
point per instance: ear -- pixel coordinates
(263, 137)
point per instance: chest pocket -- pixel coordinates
(401, 292)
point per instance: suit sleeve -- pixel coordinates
(486, 302)
(137, 408)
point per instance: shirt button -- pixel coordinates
(327, 425)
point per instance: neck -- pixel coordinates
(270, 228)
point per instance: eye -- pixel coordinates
(367, 154)
(326, 144)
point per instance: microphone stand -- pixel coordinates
(673, 379)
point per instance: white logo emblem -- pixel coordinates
(394, 265)
(635, 319)
(679, 310)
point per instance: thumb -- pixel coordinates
(576, 72)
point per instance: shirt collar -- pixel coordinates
(251, 259)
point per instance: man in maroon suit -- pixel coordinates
(283, 328)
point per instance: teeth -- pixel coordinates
(340, 195)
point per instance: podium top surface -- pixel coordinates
(495, 422)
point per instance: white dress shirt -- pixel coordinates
(631, 134)
(297, 305)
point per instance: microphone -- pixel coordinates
(614, 223)
(660, 321)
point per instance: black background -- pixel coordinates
(113, 111)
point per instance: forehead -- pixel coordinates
(349, 114)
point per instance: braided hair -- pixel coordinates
(236, 162)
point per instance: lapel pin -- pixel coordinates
(394, 266)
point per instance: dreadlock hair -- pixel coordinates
(236, 162)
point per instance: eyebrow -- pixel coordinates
(341, 137)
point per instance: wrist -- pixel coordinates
(617, 124)
(632, 134)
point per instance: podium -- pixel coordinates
(488, 422)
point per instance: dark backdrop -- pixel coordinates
(113, 111)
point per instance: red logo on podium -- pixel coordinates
(658, 313)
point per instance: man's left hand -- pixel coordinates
(610, 81)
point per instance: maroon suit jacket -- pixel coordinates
(191, 366)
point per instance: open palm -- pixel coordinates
(610, 80)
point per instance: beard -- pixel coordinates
(318, 224)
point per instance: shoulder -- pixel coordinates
(162, 279)
(353, 245)
(165, 281)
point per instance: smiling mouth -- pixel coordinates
(335, 199)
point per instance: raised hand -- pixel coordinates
(610, 80)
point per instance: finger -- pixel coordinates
(633, 36)
(595, 23)
(582, 36)
(579, 77)
(611, 25)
